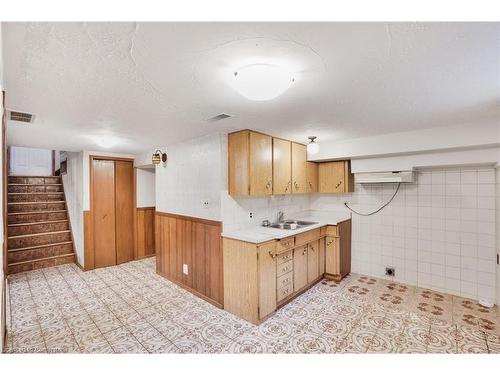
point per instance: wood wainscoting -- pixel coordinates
(183, 240)
(145, 217)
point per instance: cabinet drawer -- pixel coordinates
(285, 244)
(284, 292)
(284, 268)
(284, 280)
(332, 230)
(303, 238)
(285, 257)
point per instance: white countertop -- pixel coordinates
(263, 234)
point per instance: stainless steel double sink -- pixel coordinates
(292, 224)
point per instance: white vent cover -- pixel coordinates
(384, 177)
(219, 117)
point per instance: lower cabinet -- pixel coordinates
(338, 251)
(312, 261)
(299, 267)
(258, 278)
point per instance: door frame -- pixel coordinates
(89, 254)
(3, 313)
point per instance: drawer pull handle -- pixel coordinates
(273, 255)
(329, 243)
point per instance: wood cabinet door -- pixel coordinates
(125, 210)
(312, 177)
(322, 256)
(312, 261)
(267, 279)
(261, 164)
(282, 166)
(238, 163)
(332, 256)
(103, 212)
(331, 177)
(299, 267)
(299, 161)
(345, 247)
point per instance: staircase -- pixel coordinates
(39, 233)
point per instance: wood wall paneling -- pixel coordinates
(124, 211)
(196, 243)
(145, 237)
(88, 241)
(103, 209)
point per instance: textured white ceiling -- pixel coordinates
(152, 84)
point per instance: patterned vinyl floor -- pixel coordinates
(130, 309)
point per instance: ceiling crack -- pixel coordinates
(159, 94)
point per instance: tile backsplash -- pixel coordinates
(438, 233)
(236, 211)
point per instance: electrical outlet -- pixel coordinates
(185, 269)
(206, 203)
(390, 271)
(250, 215)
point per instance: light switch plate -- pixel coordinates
(185, 269)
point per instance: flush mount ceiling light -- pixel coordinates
(312, 146)
(261, 82)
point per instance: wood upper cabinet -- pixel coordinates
(250, 163)
(335, 177)
(313, 254)
(311, 177)
(300, 267)
(282, 166)
(299, 166)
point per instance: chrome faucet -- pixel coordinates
(280, 216)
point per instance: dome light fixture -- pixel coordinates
(312, 146)
(261, 82)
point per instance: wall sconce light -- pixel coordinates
(159, 156)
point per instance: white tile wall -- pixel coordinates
(236, 211)
(438, 233)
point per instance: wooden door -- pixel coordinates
(313, 261)
(312, 177)
(332, 256)
(261, 164)
(267, 279)
(299, 161)
(299, 267)
(331, 177)
(282, 166)
(103, 212)
(125, 210)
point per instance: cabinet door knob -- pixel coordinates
(273, 255)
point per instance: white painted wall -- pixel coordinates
(448, 138)
(30, 161)
(145, 187)
(194, 173)
(73, 188)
